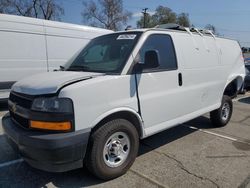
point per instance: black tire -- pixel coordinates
(219, 117)
(94, 159)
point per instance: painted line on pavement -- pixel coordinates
(218, 135)
(9, 163)
(212, 133)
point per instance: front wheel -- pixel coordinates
(112, 149)
(222, 115)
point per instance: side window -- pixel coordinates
(164, 45)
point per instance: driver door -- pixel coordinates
(160, 88)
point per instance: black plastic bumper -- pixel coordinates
(57, 152)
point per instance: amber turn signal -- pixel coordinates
(54, 126)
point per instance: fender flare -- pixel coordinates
(239, 81)
(117, 110)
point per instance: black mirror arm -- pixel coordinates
(137, 68)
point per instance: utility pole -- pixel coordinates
(144, 12)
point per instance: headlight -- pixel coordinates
(53, 104)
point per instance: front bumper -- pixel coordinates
(53, 152)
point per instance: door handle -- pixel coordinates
(180, 79)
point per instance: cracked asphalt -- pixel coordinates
(193, 154)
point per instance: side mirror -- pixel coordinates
(151, 59)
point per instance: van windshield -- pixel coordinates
(105, 54)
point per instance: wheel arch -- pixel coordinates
(233, 86)
(124, 113)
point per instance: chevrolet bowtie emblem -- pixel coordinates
(14, 108)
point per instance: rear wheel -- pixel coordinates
(112, 149)
(222, 115)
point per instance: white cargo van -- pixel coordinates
(30, 46)
(122, 87)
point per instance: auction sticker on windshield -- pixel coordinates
(122, 37)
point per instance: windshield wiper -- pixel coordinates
(62, 68)
(78, 68)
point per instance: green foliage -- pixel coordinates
(183, 20)
(164, 15)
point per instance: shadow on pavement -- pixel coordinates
(245, 100)
(173, 134)
(201, 122)
(163, 138)
(6, 154)
(26, 176)
(22, 175)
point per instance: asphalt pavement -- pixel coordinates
(193, 154)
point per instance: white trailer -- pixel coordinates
(29, 46)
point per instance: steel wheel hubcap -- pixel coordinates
(116, 149)
(225, 111)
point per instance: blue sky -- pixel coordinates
(230, 17)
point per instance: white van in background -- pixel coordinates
(29, 46)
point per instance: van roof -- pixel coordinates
(36, 21)
(181, 30)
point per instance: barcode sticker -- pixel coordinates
(126, 37)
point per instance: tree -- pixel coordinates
(183, 20)
(44, 9)
(211, 28)
(149, 22)
(49, 9)
(108, 14)
(164, 15)
(3, 5)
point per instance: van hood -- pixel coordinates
(50, 82)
